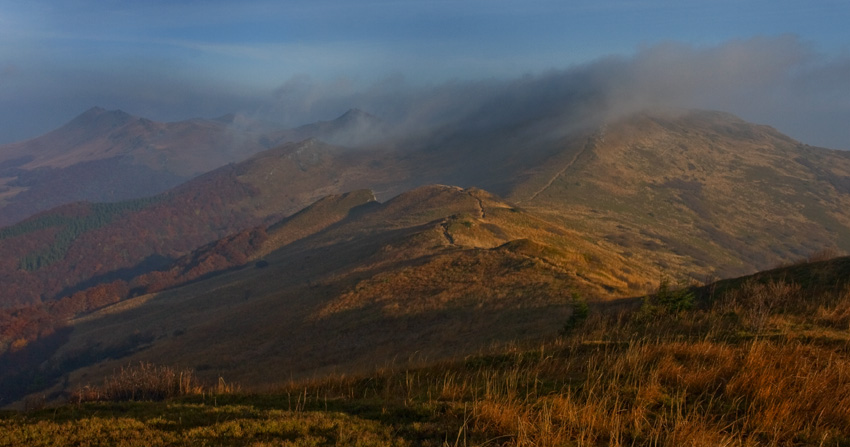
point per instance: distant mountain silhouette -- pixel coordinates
(103, 156)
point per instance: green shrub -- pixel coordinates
(580, 313)
(668, 300)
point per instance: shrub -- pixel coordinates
(580, 313)
(668, 300)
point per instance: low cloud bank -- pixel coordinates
(780, 81)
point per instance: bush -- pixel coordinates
(580, 313)
(667, 300)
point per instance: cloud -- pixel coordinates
(781, 81)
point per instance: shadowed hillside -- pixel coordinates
(349, 283)
(759, 360)
(57, 252)
(110, 156)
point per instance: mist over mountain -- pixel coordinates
(488, 223)
(424, 223)
(780, 80)
(394, 206)
(109, 156)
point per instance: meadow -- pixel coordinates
(757, 361)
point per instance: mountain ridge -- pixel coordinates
(689, 183)
(676, 212)
(341, 236)
(342, 263)
(107, 156)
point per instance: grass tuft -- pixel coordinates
(148, 382)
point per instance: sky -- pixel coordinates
(780, 62)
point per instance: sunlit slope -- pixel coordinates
(697, 194)
(758, 360)
(703, 192)
(438, 271)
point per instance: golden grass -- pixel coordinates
(186, 423)
(469, 278)
(736, 373)
(645, 393)
(148, 382)
(722, 374)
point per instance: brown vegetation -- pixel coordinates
(753, 363)
(143, 382)
(736, 372)
(24, 324)
(146, 382)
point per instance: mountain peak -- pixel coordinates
(228, 118)
(98, 116)
(356, 114)
(96, 110)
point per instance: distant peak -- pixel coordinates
(357, 114)
(355, 111)
(227, 119)
(98, 116)
(94, 111)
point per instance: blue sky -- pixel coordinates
(171, 60)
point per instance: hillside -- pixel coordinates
(694, 194)
(604, 212)
(346, 285)
(354, 128)
(758, 360)
(703, 193)
(107, 156)
(698, 193)
(110, 156)
(58, 252)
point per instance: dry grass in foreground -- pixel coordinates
(148, 382)
(765, 363)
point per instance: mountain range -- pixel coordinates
(336, 247)
(108, 156)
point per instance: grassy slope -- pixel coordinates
(702, 193)
(727, 372)
(438, 271)
(691, 195)
(271, 185)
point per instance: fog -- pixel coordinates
(781, 81)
